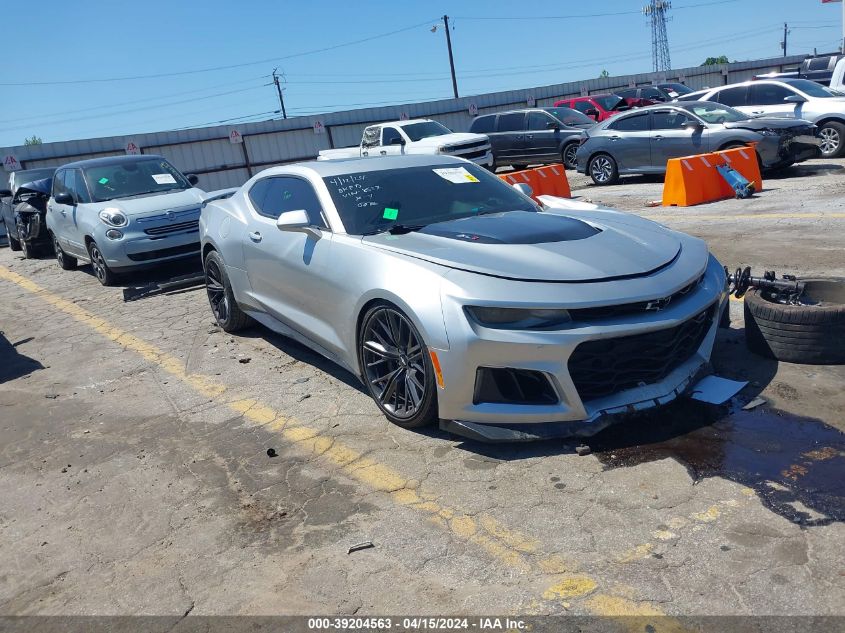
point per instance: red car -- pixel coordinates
(598, 107)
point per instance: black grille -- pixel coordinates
(186, 249)
(606, 312)
(166, 229)
(461, 147)
(512, 386)
(607, 366)
(472, 155)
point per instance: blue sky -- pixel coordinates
(530, 43)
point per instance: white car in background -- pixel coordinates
(791, 98)
(416, 136)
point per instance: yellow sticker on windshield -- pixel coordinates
(457, 175)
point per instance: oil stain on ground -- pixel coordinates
(796, 465)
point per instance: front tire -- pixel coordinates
(832, 135)
(227, 313)
(14, 244)
(568, 156)
(396, 367)
(603, 170)
(102, 272)
(65, 261)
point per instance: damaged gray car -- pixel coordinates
(454, 296)
(24, 217)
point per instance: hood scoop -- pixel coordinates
(516, 227)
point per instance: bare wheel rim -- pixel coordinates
(216, 291)
(98, 263)
(601, 169)
(60, 254)
(393, 363)
(569, 155)
(829, 140)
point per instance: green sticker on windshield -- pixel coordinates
(390, 214)
(103, 181)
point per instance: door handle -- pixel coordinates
(529, 136)
(63, 212)
(365, 153)
(255, 236)
(518, 138)
(383, 152)
(758, 112)
(658, 137)
(614, 138)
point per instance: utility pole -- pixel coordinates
(451, 59)
(279, 90)
(783, 43)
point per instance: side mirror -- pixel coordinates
(795, 99)
(553, 125)
(65, 197)
(397, 140)
(524, 188)
(192, 178)
(297, 222)
(592, 112)
(5, 193)
(691, 125)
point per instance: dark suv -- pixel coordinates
(533, 135)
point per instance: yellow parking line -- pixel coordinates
(692, 217)
(510, 547)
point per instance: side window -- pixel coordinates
(731, 96)
(80, 189)
(583, 106)
(652, 93)
(628, 93)
(540, 121)
(58, 182)
(768, 94)
(388, 134)
(511, 122)
(636, 123)
(667, 120)
(371, 136)
(275, 195)
(483, 124)
(819, 63)
(70, 182)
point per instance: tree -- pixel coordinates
(33, 140)
(604, 73)
(712, 61)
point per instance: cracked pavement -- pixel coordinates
(135, 479)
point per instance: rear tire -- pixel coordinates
(832, 135)
(66, 262)
(227, 313)
(568, 156)
(808, 334)
(603, 170)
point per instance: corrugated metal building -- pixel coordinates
(209, 152)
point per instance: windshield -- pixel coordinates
(31, 175)
(134, 178)
(425, 129)
(610, 102)
(375, 201)
(810, 88)
(570, 117)
(715, 113)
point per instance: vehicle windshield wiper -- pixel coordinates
(143, 193)
(404, 228)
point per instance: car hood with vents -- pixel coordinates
(547, 246)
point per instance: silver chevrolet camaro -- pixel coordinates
(453, 295)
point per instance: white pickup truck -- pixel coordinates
(417, 136)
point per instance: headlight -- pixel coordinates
(518, 318)
(113, 217)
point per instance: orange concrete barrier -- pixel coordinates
(550, 180)
(692, 180)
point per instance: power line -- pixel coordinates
(217, 68)
(586, 15)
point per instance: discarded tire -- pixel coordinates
(811, 333)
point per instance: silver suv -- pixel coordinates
(790, 98)
(123, 212)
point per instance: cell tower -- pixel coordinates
(656, 10)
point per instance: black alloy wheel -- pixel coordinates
(98, 262)
(396, 368)
(225, 309)
(569, 156)
(65, 261)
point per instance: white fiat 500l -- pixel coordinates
(122, 213)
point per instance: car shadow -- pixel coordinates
(802, 170)
(13, 364)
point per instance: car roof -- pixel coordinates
(341, 166)
(110, 160)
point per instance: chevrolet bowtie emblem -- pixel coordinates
(658, 304)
